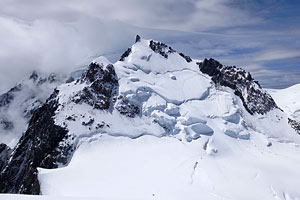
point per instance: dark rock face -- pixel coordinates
(103, 86)
(127, 108)
(187, 58)
(61, 155)
(98, 71)
(164, 50)
(102, 91)
(161, 48)
(254, 99)
(37, 144)
(295, 125)
(125, 54)
(137, 38)
(4, 155)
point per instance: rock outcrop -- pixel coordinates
(48, 145)
(38, 143)
(103, 86)
(295, 125)
(4, 155)
(254, 98)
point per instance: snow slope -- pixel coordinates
(166, 168)
(288, 100)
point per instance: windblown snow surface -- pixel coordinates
(203, 144)
(288, 100)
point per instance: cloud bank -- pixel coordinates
(261, 36)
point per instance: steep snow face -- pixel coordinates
(288, 100)
(19, 103)
(159, 128)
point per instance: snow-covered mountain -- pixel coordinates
(157, 124)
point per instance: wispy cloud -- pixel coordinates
(51, 46)
(58, 35)
(277, 54)
(168, 14)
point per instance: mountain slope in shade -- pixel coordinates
(157, 125)
(18, 104)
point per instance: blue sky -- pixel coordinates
(262, 36)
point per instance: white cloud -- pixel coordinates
(168, 14)
(51, 46)
(58, 35)
(277, 54)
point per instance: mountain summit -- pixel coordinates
(156, 123)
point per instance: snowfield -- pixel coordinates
(192, 139)
(166, 168)
(288, 100)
